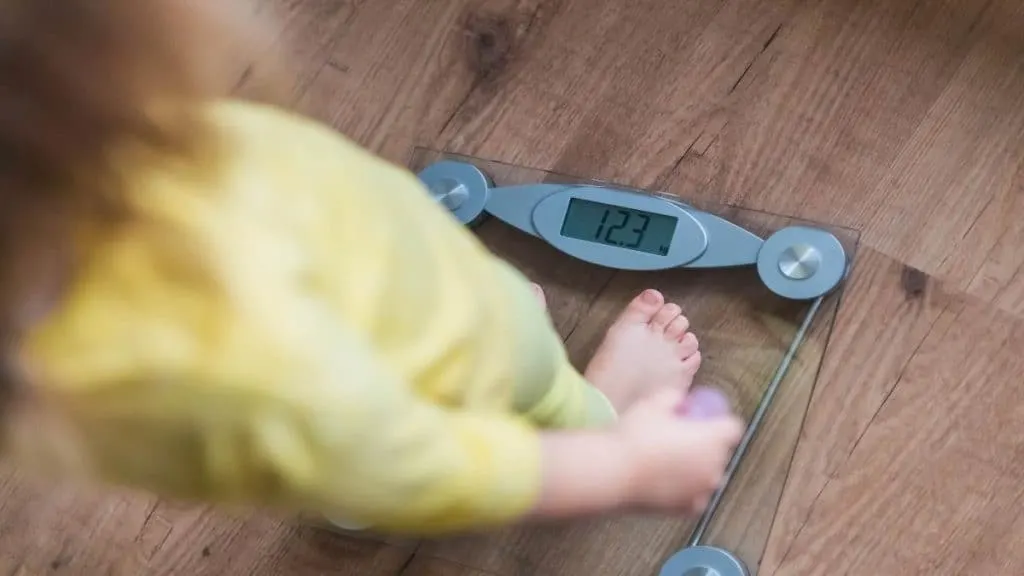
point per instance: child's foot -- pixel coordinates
(648, 347)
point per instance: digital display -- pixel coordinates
(618, 226)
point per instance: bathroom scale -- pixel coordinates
(761, 292)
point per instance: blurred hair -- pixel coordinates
(78, 78)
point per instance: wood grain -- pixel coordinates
(403, 69)
(939, 466)
(902, 119)
(428, 566)
(888, 311)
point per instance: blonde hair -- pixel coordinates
(78, 77)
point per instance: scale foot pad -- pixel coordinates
(802, 263)
(703, 561)
(460, 187)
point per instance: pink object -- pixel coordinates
(706, 403)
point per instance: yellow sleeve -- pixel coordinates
(364, 446)
(324, 427)
(437, 305)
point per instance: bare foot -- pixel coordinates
(648, 347)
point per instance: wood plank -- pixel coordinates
(299, 38)
(842, 87)
(899, 118)
(52, 528)
(958, 169)
(428, 566)
(569, 103)
(404, 68)
(1000, 277)
(939, 466)
(206, 541)
(49, 527)
(888, 311)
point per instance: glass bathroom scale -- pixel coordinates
(761, 292)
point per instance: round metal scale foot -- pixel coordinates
(460, 187)
(451, 193)
(802, 263)
(703, 561)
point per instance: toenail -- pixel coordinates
(651, 297)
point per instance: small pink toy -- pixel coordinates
(705, 403)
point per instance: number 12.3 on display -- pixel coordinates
(618, 226)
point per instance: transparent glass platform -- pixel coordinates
(745, 331)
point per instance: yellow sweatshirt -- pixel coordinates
(306, 329)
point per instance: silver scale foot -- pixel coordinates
(703, 561)
(796, 262)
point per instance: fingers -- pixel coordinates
(728, 430)
(700, 505)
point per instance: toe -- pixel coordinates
(642, 308)
(688, 346)
(676, 329)
(665, 316)
(692, 363)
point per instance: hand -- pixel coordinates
(676, 463)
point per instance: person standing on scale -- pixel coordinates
(216, 299)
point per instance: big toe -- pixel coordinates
(641, 310)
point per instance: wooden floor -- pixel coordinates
(901, 119)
